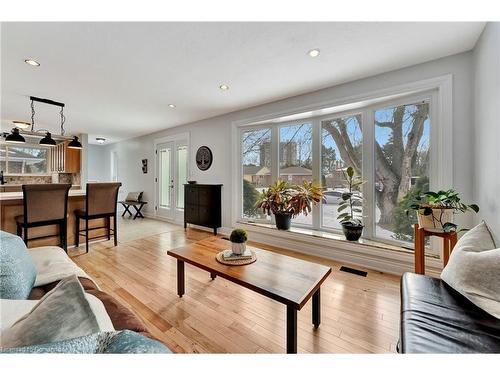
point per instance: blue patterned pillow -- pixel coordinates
(128, 342)
(17, 269)
(80, 345)
(122, 342)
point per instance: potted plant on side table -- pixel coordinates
(238, 240)
(435, 209)
(286, 201)
(350, 211)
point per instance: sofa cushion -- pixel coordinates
(437, 319)
(39, 291)
(474, 269)
(124, 342)
(61, 314)
(135, 196)
(53, 264)
(13, 310)
(128, 342)
(17, 269)
(121, 317)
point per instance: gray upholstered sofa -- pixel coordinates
(30, 277)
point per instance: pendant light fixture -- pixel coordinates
(47, 140)
(75, 143)
(15, 137)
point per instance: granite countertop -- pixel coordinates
(7, 184)
(18, 195)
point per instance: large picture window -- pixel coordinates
(341, 147)
(402, 135)
(25, 159)
(295, 153)
(388, 144)
(256, 158)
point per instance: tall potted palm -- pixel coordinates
(286, 201)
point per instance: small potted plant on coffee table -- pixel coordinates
(238, 240)
(350, 210)
(286, 201)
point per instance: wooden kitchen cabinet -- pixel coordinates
(65, 159)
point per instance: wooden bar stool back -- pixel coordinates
(100, 202)
(44, 204)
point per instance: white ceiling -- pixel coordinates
(117, 79)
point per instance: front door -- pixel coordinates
(172, 166)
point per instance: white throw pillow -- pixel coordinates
(474, 269)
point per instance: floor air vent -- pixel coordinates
(354, 271)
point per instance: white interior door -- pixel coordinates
(172, 173)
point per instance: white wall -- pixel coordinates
(487, 124)
(216, 132)
(98, 163)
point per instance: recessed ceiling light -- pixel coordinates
(32, 62)
(171, 105)
(100, 140)
(21, 124)
(313, 53)
(224, 87)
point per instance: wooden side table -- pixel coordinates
(449, 241)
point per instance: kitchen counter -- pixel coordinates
(13, 188)
(11, 205)
(18, 195)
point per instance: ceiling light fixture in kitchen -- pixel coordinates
(75, 143)
(15, 137)
(32, 62)
(21, 124)
(313, 52)
(47, 139)
(100, 140)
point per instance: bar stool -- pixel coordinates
(100, 203)
(44, 204)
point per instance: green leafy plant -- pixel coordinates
(425, 203)
(282, 197)
(404, 216)
(250, 197)
(352, 200)
(238, 236)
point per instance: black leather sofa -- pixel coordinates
(437, 319)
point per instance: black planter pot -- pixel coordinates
(283, 220)
(352, 232)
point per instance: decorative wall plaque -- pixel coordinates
(204, 158)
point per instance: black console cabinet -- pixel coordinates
(202, 205)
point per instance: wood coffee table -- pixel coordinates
(282, 278)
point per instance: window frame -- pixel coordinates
(367, 113)
(27, 145)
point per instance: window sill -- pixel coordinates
(362, 242)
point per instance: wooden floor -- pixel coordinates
(359, 314)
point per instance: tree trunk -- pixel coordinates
(410, 150)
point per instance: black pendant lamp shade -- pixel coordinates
(75, 143)
(15, 137)
(47, 140)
